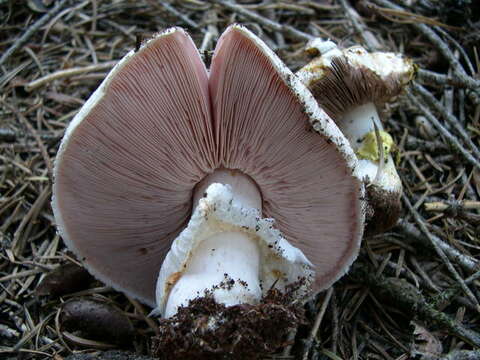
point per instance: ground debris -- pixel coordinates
(206, 329)
(426, 343)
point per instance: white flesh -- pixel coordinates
(224, 256)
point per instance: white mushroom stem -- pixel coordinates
(243, 187)
(356, 125)
(358, 122)
(227, 263)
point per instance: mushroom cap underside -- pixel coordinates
(158, 124)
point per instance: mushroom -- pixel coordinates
(350, 85)
(168, 180)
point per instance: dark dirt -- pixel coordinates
(206, 329)
(383, 210)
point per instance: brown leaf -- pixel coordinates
(65, 279)
(97, 321)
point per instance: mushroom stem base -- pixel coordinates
(209, 330)
(225, 265)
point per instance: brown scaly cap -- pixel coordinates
(344, 87)
(341, 80)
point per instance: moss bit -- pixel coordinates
(369, 148)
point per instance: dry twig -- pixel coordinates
(31, 31)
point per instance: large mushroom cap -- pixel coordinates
(131, 158)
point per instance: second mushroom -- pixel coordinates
(351, 84)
